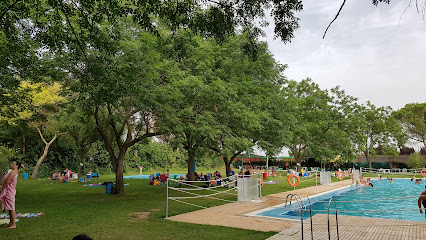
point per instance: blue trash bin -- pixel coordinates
(25, 175)
(108, 188)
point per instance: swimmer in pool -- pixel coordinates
(419, 181)
(422, 200)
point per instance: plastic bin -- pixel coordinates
(108, 188)
(265, 175)
(25, 175)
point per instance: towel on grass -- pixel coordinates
(22, 215)
(6, 221)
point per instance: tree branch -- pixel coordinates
(41, 136)
(234, 156)
(7, 9)
(140, 138)
(341, 7)
(73, 31)
(112, 124)
(106, 139)
(212, 148)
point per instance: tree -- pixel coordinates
(413, 120)
(244, 112)
(45, 104)
(416, 160)
(5, 154)
(120, 89)
(81, 127)
(375, 126)
(321, 129)
(33, 105)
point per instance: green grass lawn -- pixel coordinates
(71, 209)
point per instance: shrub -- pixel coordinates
(406, 151)
(396, 164)
(423, 151)
(416, 160)
(5, 154)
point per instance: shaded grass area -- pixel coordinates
(71, 209)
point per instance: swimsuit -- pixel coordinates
(424, 205)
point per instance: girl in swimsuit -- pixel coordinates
(8, 192)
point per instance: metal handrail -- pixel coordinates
(302, 206)
(391, 170)
(328, 219)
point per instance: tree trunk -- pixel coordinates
(191, 160)
(81, 156)
(267, 162)
(23, 142)
(46, 149)
(227, 165)
(119, 181)
(40, 160)
(369, 164)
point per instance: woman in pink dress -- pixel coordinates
(8, 192)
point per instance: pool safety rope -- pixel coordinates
(195, 195)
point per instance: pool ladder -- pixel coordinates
(302, 206)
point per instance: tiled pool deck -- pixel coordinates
(234, 215)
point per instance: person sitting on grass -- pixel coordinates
(163, 178)
(157, 181)
(65, 178)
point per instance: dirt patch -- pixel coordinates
(139, 215)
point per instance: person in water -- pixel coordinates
(422, 201)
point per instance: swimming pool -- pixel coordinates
(146, 176)
(375, 206)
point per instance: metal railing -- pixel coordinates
(302, 206)
(328, 219)
(391, 170)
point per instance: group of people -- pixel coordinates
(416, 180)
(67, 176)
(364, 181)
(159, 179)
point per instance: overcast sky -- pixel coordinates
(373, 53)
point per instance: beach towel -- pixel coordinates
(271, 182)
(22, 215)
(6, 221)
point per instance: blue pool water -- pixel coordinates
(382, 190)
(146, 176)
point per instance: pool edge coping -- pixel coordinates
(254, 213)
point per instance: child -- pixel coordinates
(65, 178)
(8, 192)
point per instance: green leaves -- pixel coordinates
(413, 119)
(322, 126)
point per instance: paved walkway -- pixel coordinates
(350, 227)
(355, 228)
(233, 214)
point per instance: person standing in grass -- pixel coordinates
(8, 192)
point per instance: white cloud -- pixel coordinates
(374, 53)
